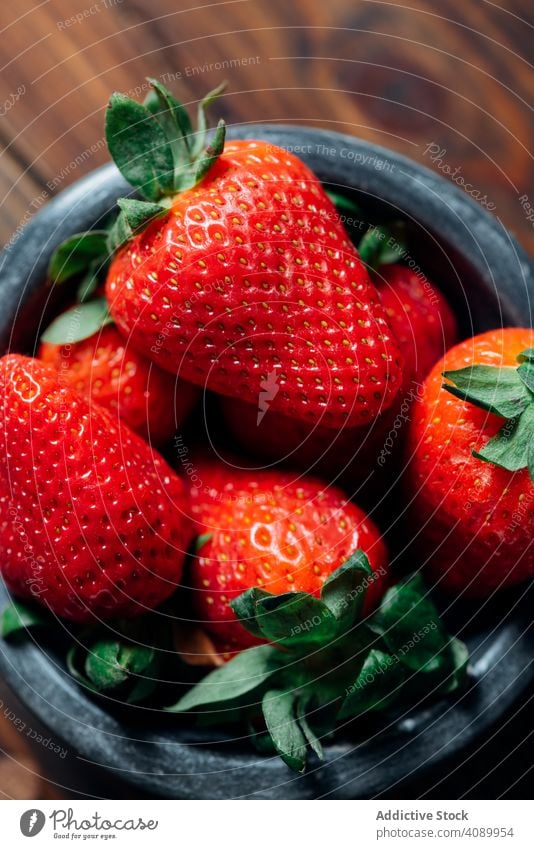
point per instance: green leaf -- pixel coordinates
(90, 281)
(342, 202)
(370, 247)
(392, 253)
(526, 373)
(174, 121)
(78, 323)
(383, 245)
(344, 590)
(210, 154)
(294, 619)
(410, 626)
(110, 662)
(244, 607)
(497, 389)
(508, 392)
(202, 540)
(139, 147)
(104, 661)
(202, 123)
(307, 730)
(133, 217)
(282, 724)
(245, 673)
(76, 254)
(142, 689)
(512, 448)
(458, 659)
(261, 741)
(73, 662)
(137, 213)
(377, 687)
(18, 616)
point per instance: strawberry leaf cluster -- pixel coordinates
(123, 662)
(325, 664)
(383, 244)
(507, 392)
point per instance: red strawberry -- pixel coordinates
(419, 316)
(107, 369)
(92, 521)
(475, 511)
(249, 274)
(274, 531)
(348, 452)
(424, 326)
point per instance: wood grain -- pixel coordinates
(401, 74)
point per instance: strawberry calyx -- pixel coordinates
(84, 256)
(383, 244)
(133, 217)
(343, 203)
(295, 619)
(18, 616)
(77, 323)
(124, 661)
(325, 664)
(201, 540)
(508, 392)
(157, 150)
(79, 254)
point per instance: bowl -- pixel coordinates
(490, 282)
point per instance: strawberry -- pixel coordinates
(272, 531)
(348, 452)
(287, 578)
(92, 521)
(470, 443)
(424, 327)
(237, 267)
(108, 370)
(419, 316)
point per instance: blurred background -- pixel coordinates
(447, 84)
(455, 75)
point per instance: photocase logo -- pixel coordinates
(269, 391)
(32, 822)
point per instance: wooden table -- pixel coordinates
(416, 76)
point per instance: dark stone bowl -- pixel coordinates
(490, 281)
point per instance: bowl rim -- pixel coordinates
(61, 705)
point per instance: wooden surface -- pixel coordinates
(398, 74)
(405, 75)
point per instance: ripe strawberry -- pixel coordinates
(472, 496)
(424, 327)
(245, 271)
(108, 370)
(274, 531)
(348, 452)
(419, 316)
(92, 521)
